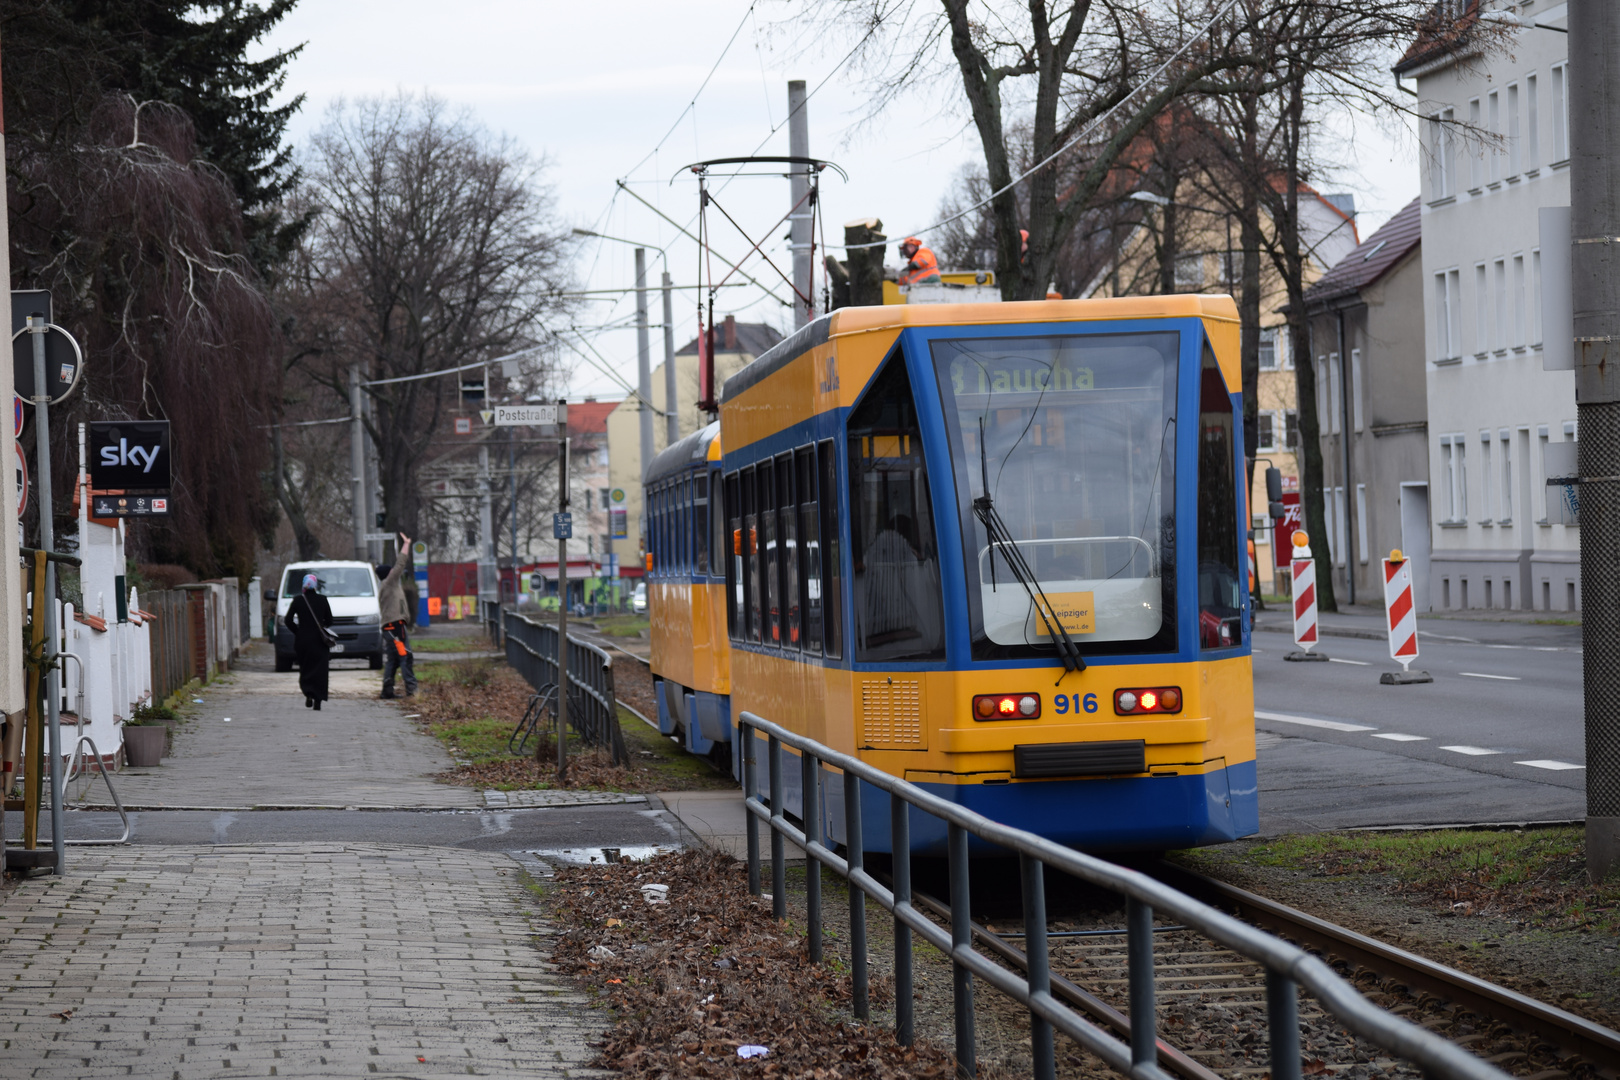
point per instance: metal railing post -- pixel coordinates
(1282, 1020)
(961, 938)
(1139, 947)
(900, 831)
(773, 760)
(1043, 1055)
(857, 899)
(810, 781)
(745, 732)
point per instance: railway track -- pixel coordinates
(1211, 1002)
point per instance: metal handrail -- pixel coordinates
(1287, 966)
(532, 648)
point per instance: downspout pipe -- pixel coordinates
(1351, 557)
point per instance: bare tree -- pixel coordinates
(433, 246)
(143, 248)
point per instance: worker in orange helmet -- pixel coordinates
(921, 267)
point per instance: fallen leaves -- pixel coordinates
(695, 978)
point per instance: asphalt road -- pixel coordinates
(1498, 736)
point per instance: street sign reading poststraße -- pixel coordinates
(129, 455)
(525, 415)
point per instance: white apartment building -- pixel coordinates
(1495, 149)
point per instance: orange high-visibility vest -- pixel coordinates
(923, 267)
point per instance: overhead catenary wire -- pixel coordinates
(1084, 134)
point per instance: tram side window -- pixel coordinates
(700, 521)
(898, 602)
(719, 507)
(809, 561)
(733, 547)
(787, 532)
(1220, 583)
(831, 550)
(770, 599)
(683, 495)
(652, 531)
(750, 547)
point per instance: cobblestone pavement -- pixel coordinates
(307, 960)
(273, 752)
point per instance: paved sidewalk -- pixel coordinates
(357, 751)
(308, 960)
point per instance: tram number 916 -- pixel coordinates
(1062, 703)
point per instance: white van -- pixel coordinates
(351, 589)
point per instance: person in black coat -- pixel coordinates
(308, 618)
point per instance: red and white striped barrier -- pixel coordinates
(1399, 609)
(1303, 570)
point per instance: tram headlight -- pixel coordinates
(1006, 706)
(1139, 700)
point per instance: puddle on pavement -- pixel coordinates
(584, 856)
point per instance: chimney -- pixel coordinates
(731, 333)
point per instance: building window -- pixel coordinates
(1190, 271)
(1447, 315)
(1476, 163)
(1514, 153)
(1442, 147)
(1505, 437)
(1485, 475)
(1499, 338)
(1535, 298)
(1560, 114)
(1355, 388)
(1291, 429)
(1541, 487)
(1337, 527)
(1482, 310)
(1454, 473)
(1520, 329)
(1268, 349)
(1363, 547)
(1532, 126)
(1267, 424)
(1335, 381)
(606, 497)
(1493, 120)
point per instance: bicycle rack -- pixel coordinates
(76, 769)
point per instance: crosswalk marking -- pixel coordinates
(1546, 763)
(1306, 721)
(1396, 737)
(1471, 751)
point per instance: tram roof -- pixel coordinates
(1220, 309)
(689, 451)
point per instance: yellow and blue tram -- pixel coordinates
(995, 549)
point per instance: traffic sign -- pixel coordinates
(527, 415)
(463, 425)
(63, 362)
(562, 526)
(385, 536)
(20, 412)
(22, 480)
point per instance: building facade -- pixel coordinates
(1207, 262)
(1366, 324)
(1495, 150)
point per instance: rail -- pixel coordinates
(593, 712)
(1288, 967)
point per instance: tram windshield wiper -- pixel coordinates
(1001, 540)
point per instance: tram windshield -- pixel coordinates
(1074, 436)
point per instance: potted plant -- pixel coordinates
(146, 735)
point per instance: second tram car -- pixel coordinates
(994, 549)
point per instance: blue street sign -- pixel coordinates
(562, 526)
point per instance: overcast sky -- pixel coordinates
(595, 89)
